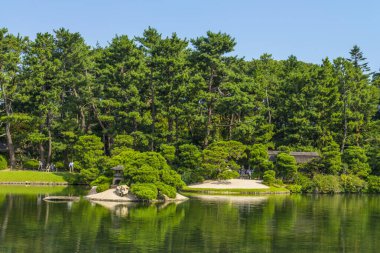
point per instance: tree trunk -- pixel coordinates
(48, 160)
(153, 111)
(107, 144)
(344, 126)
(170, 130)
(209, 111)
(208, 126)
(11, 149)
(230, 127)
(269, 109)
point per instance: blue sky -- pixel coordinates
(309, 29)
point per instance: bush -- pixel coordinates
(89, 175)
(190, 177)
(60, 166)
(327, 184)
(228, 174)
(144, 174)
(102, 187)
(145, 191)
(269, 177)
(373, 184)
(286, 166)
(305, 182)
(166, 189)
(3, 162)
(31, 164)
(172, 178)
(294, 188)
(101, 180)
(352, 183)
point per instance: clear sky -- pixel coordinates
(309, 29)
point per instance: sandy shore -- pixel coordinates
(110, 195)
(231, 184)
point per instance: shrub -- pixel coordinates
(3, 162)
(190, 177)
(172, 178)
(60, 166)
(144, 174)
(145, 191)
(373, 184)
(294, 188)
(286, 166)
(89, 175)
(101, 180)
(305, 182)
(352, 183)
(327, 184)
(269, 177)
(31, 164)
(166, 189)
(102, 187)
(356, 161)
(228, 174)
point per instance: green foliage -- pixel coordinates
(30, 164)
(88, 175)
(269, 177)
(356, 161)
(374, 184)
(189, 163)
(102, 183)
(166, 189)
(294, 188)
(64, 101)
(144, 174)
(121, 142)
(3, 162)
(352, 183)
(168, 152)
(327, 184)
(145, 191)
(170, 177)
(331, 159)
(228, 174)
(221, 156)
(286, 166)
(60, 166)
(305, 182)
(259, 159)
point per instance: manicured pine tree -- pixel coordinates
(11, 48)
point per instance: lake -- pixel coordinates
(288, 223)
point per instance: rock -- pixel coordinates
(92, 191)
(122, 190)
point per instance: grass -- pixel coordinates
(35, 177)
(31, 190)
(271, 190)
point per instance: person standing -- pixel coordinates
(71, 166)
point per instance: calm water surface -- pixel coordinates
(295, 223)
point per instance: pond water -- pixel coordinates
(291, 223)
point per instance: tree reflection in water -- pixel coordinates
(295, 223)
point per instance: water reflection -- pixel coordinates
(296, 223)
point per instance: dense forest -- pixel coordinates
(192, 103)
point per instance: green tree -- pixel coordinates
(286, 166)
(11, 48)
(208, 58)
(356, 161)
(259, 159)
(221, 156)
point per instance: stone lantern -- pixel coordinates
(118, 175)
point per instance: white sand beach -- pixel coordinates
(231, 184)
